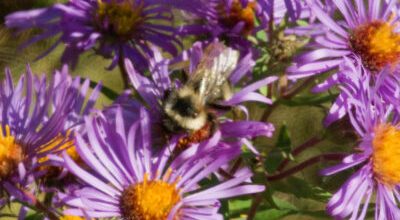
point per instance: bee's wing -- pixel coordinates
(216, 65)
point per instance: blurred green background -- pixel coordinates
(301, 196)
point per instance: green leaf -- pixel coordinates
(283, 209)
(309, 100)
(272, 214)
(34, 216)
(264, 90)
(7, 215)
(319, 214)
(239, 206)
(225, 208)
(280, 152)
(283, 204)
(302, 22)
(284, 143)
(273, 160)
(262, 36)
(302, 189)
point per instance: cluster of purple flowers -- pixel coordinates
(180, 123)
(361, 53)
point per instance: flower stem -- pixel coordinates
(296, 151)
(235, 166)
(305, 164)
(38, 206)
(257, 199)
(230, 174)
(271, 24)
(287, 95)
(291, 93)
(122, 70)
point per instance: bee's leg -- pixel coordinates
(212, 118)
(226, 175)
(166, 94)
(162, 136)
(220, 107)
(237, 113)
(170, 126)
(182, 74)
(185, 76)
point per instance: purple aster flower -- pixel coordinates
(28, 126)
(350, 78)
(229, 21)
(278, 9)
(377, 177)
(159, 92)
(78, 90)
(115, 29)
(126, 180)
(368, 30)
(81, 104)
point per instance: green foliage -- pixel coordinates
(280, 152)
(283, 209)
(301, 189)
(34, 216)
(311, 100)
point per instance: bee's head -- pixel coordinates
(185, 108)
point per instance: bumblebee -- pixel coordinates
(191, 108)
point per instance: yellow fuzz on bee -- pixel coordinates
(149, 200)
(10, 153)
(377, 43)
(386, 154)
(123, 16)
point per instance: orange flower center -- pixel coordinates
(10, 153)
(149, 200)
(237, 14)
(122, 17)
(377, 43)
(386, 154)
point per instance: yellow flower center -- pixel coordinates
(149, 200)
(237, 14)
(120, 17)
(70, 217)
(10, 153)
(386, 154)
(377, 43)
(58, 144)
